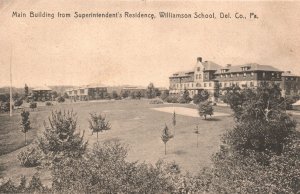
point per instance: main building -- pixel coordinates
(212, 77)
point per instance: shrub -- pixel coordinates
(164, 95)
(34, 186)
(172, 99)
(33, 105)
(156, 101)
(289, 102)
(60, 99)
(105, 170)
(200, 97)
(49, 103)
(30, 157)
(5, 106)
(18, 102)
(184, 100)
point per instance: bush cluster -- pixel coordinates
(156, 101)
(34, 186)
(30, 157)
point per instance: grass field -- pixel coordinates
(135, 123)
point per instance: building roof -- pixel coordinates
(182, 73)
(250, 67)
(95, 85)
(289, 74)
(134, 88)
(210, 66)
(42, 88)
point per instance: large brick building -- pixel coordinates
(212, 77)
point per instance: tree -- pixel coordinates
(26, 91)
(33, 105)
(60, 138)
(139, 95)
(196, 131)
(25, 123)
(166, 136)
(262, 123)
(124, 94)
(200, 97)
(151, 91)
(174, 121)
(115, 95)
(98, 123)
(205, 108)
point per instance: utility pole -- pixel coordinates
(10, 90)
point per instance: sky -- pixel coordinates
(76, 52)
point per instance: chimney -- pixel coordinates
(199, 59)
(228, 65)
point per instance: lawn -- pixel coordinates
(135, 123)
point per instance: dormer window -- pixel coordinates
(245, 68)
(198, 68)
(224, 70)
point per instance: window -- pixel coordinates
(264, 74)
(225, 84)
(245, 75)
(220, 85)
(252, 74)
(273, 74)
(205, 76)
(198, 68)
(226, 75)
(231, 75)
(221, 75)
(196, 76)
(251, 84)
(204, 84)
(199, 76)
(209, 84)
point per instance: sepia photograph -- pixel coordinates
(149, 96)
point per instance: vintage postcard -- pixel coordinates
(149, 96)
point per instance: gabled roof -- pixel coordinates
(251, 67)
(210, 66)
(42, 88)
